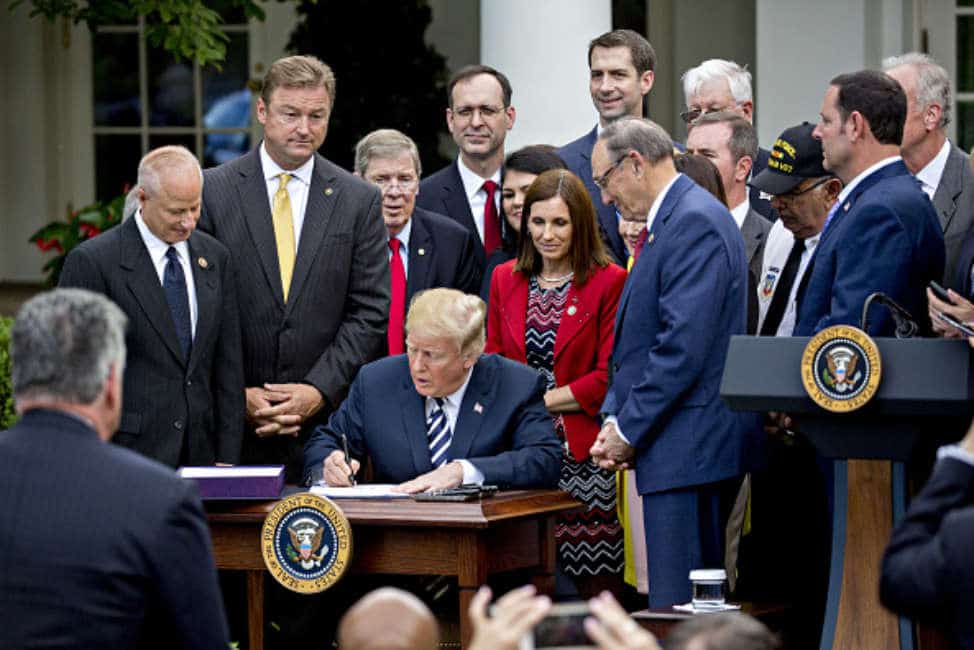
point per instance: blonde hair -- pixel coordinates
(298, 72)
(449, 313)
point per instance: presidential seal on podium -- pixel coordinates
(306, 542)
(841, 368)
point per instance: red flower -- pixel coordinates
(47, 244)
(88, 229)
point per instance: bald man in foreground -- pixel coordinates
(406, 623)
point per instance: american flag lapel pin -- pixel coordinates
(478, 408)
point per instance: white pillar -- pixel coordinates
(541, 46)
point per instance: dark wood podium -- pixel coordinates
(471, 540)
(925, 394)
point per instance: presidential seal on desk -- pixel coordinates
(841, 368)
(306, 542)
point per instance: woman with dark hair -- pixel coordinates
(520, 170)
(554, 308)
(702, 172)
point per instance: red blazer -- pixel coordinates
(582, 346)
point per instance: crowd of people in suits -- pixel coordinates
(279, 307)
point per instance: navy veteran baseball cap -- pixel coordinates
(796, 155)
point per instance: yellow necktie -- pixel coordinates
(284, 232)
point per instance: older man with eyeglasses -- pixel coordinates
(717, 85)
(426, 250)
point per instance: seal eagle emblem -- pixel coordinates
(841, 368)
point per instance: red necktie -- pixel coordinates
(638, 248)
(492, 226)
(397, 306)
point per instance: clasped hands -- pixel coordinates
(280, 409)
(337, 473)
(610, 451)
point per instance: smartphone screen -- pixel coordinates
(562, 629)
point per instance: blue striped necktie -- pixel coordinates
(174, 285)
(438, 433)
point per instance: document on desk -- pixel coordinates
(372, 491)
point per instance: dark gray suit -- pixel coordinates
(755, 231)
(442, 253)
(442, 192)
(954, 200)
(335, 318)
(176, 411)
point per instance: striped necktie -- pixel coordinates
(438, 433)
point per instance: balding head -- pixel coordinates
(388, 619)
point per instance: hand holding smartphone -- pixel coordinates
(940, 292)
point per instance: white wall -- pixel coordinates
(801, 45)
(541, 45)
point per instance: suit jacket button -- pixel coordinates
(615, 367)
(178, 425)
(189, 382)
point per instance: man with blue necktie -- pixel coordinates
(443, 413)
(883, 234)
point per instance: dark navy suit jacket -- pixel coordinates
(577, 154)
(928, 568)
(884, 237)
(442, 192)
(503, 427)
(684, 298)
(100, 547)
(441, 254)
(170, 401)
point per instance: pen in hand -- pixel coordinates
(348, 461)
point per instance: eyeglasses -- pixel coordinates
(793, 194)
(486, 112)
(695, 114)
(603, 180)
(404, 185)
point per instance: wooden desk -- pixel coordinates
(473, 540)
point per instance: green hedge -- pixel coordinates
(7, 415)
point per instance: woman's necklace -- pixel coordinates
(559, 279)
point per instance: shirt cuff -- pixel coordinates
(615, 422)
(956, 452)
(471, 475)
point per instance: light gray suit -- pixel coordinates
(954, 201)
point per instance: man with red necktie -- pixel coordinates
(479, 116)
(426, 249)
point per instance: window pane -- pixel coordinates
(965, 54)
(115, 79)
(218, 148)
(232, 15)
(226, 99)
(965, 125)
(116, 164)
(188, 140)
(170, 90)
(965, 3)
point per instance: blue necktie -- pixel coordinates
(174, 284)
(438, 433)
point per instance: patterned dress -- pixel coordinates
(590, 542)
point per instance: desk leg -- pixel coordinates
(255, 609)
(471, 574)
(544, 579)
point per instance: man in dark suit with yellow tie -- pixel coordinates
(310, 251)
(184, 375)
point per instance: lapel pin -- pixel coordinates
(202, 262)
(328, 191)
(572, 310)
(649, 240)
(845, 208)
(478, 407)
(422, 251)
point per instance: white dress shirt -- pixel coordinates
(297, 188)
(403, 238)
(930, 175)
(653, 211)
(847, 190)
(740, 212)
(157, 252)
(451, 409)
(473, 187)
(777, 248)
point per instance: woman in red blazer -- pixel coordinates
(553, 308)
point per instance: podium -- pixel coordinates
(924, 396)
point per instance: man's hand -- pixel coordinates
(289, 406)
(610, 451)
(962, 310)
(513, 615)
(779, 424)
(259, 400)
(613, 629)
(449, 475)
(337, 472)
